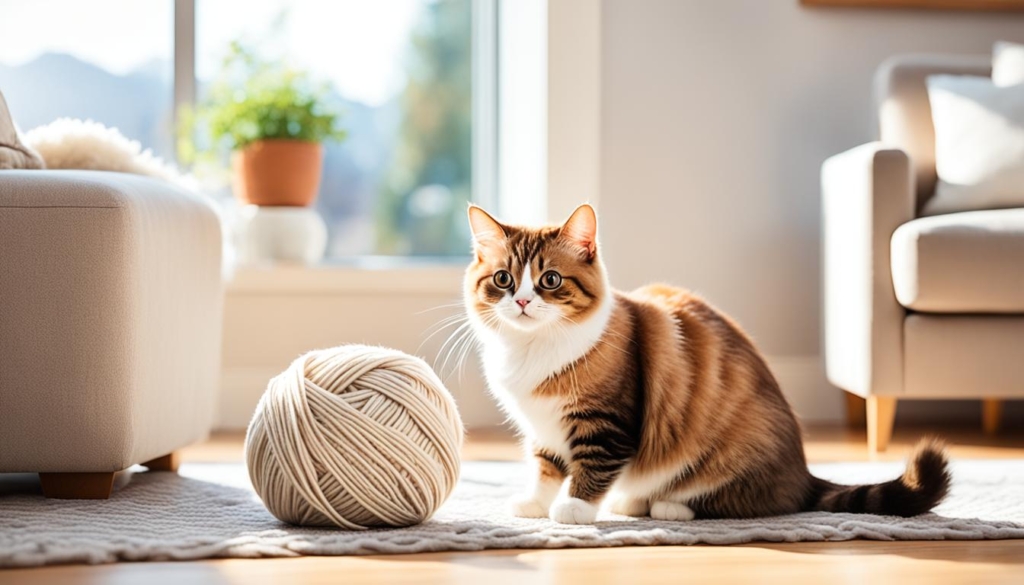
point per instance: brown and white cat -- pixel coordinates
(652, 394)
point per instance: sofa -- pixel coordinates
(917, 307)
(110, 325)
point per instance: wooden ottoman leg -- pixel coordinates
(77, 486)
(881, 416)
(168, 462)
(991, 415)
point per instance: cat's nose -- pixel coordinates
(522, 303)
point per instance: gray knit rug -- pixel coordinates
(209, 510)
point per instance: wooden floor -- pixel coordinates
(842, 562)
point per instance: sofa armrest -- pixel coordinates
(110, 319)
(867, 192)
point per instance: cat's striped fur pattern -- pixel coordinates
(652, 395)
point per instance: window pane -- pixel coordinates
(108, 60)
(401, 72)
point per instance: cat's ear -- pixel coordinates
(486, 230)
(581, 230)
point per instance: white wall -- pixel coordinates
(271, 316)
(715, 118)
(712, 117)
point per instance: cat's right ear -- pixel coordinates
(486, 230)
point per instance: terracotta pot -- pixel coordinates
(278, 172)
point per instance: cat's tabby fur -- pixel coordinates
(651, 394)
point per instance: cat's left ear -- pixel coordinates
(581, 230)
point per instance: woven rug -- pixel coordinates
(209, 510)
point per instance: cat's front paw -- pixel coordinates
(527, 507)
(573, 511)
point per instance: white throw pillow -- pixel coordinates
(1007, 64)
(979, 144)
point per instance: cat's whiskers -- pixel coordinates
(608, 330)
(572, 365)
(459, 343)
(441, 325)
(490, 319)
(446, 322)
(467, 342)
(453, 340)
(602, 340)
(584, 356)
(460, 304)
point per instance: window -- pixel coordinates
(108, 60)
(416, 81)
(402, 73)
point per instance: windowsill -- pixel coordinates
(370, 275)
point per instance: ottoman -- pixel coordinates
(110, 325)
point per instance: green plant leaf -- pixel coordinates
(253, 99)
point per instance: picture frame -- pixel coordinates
(977, 5)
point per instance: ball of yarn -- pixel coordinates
(354, 437)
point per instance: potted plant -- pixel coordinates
(273, 119)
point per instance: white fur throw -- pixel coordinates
(76, 144)
(69, 143)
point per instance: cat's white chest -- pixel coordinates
(542, 421)
(516, 364)
(512, 379)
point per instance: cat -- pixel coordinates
(652, 394)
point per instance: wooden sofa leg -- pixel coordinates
(168, 462)
(881, 411)
(77, 486)
(991, 415)
(856, 411)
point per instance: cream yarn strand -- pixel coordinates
(354, 437)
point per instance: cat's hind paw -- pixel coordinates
(633, 507)
(671, 511)
(527, 507)
(573, 511)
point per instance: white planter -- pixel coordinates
(280, 234)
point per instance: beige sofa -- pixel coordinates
(110, 325)
(917, 307)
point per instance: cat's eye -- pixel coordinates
(503, 279)
(550, 280)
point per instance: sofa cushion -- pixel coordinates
(970, 262)
(963, 356)
(1007, 64)
(979, 144)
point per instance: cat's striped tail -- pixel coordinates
(921, 487)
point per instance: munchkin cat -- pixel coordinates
(651, 398)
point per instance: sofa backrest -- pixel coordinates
(904, 113)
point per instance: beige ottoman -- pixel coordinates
(110, 325)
